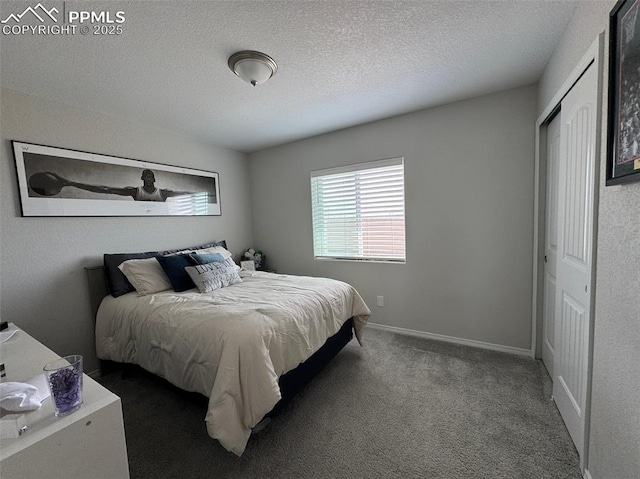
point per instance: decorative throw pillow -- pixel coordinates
(211, 276)
(174, 267)
(119, 284)
(220, 250)
(204, 258)
(145, 275)
(215, 249)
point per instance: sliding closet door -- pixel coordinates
(551, 243)
(575, 252)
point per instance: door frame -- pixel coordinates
(595, 56)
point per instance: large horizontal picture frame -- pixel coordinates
(623, 136)
(61, 182)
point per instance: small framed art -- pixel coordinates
(623, 136)
(248, 265)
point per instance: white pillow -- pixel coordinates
(216, 249)
(211, 276)
(145, 275)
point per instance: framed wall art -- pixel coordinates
(248, 265)
(623, 139)
(60, 182)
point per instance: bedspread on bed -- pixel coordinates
(231, 345)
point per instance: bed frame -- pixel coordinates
(290, 383)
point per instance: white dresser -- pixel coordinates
(86, 444)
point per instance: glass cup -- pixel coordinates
(64, 377)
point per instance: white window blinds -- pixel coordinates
(358, 211)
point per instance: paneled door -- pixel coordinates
(551, 243)
(576, 190)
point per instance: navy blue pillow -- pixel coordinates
(222, 243)
(174, 267)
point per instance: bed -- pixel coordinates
(245, 346)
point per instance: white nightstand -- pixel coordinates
(86, 444)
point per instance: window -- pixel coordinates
(358, 211)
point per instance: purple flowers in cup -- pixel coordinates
(64, 377)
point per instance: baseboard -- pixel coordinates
(587, 475)
(453, 339)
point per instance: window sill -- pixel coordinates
(356, 260)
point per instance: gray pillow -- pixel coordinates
(211, 276)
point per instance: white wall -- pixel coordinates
(469, 216)
(43, 283)
(614, 446)
(588, 21)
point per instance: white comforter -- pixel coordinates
(232, 344)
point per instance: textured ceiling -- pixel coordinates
(340, 63)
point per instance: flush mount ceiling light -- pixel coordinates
(253, 67)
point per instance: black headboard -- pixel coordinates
(97, 287)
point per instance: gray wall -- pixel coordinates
(469, 214)
(589, 19)
(614, 446)
(43, 283)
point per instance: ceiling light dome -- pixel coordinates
(253, 67)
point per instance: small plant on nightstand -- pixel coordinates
(257, 256)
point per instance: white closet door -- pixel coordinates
(575, 251)
(551, 243)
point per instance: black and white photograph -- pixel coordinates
(624, 97)
(60, 182)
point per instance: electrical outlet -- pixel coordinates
(381, 301)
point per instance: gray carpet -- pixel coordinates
(399, 407)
